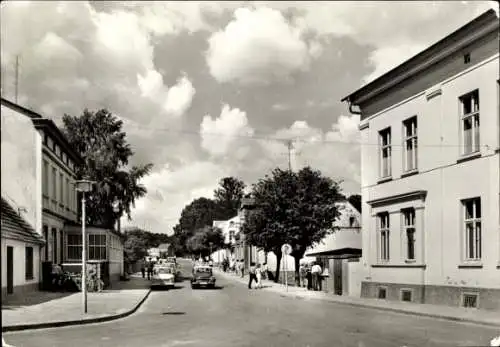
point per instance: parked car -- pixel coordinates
(175, 270)
(163, 276)
(202, 276)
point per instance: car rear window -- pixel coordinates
(203, 270)
(164, 270)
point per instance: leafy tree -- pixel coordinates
(135, 248)
(205, 240)
(100, 140)
(198, 214)
(295, 208)
(228, 197)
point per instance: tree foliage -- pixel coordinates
(198, 214)
(355, 200)
(297, 208)
(228, 197)
(204, 240)
(98, 137)
(138, 241)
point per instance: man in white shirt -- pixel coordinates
(316, 272)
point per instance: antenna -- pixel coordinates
(17, 77)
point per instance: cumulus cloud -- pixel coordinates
(257, 46)
(220, 134)
(335, 152)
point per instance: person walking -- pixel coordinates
(309, 277)
(252, 276)
(242, 268)
(150, 270)
(264, 271)
(258, 275)
(302, 275)
(143, 270)
(316, 272)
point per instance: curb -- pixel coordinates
(60, 324)
(382, 308)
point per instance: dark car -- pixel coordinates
(202, 276)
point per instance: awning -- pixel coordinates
(342, 253)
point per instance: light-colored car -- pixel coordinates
(164, 276)
(202, 276)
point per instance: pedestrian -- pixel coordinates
(252, 276)
(264, 271)
(303, 275)
(143, 270)
(150, 270)
(309, 278)
(242, 268)
(258, 275)
(316, 272)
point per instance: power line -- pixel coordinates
(297, 139)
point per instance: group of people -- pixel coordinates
(147, 267)
(310, 276)
(257, 273)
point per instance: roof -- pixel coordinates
(48, 125)
(164, 246)
(383, 82)
(13, 226)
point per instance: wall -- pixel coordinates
(446, 177)
(20, 265)
(20, 165)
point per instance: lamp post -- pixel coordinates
(84, 186)
(117, 210)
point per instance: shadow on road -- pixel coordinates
(174, 313)
(34, 298)
(210, 288)
(163, 288)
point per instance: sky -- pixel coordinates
(214, 89)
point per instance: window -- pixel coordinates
(410, 144)
(472, 227)
(470, 122)
(45, 178)
(29, 263)
(385, 152)
(97, 247)
(409, 232)
(68, 198)
(383, 219)
(470, 300)
(54, 184)
(61, 247)
(46, 238)
(54, 245)
(352, 220)
(406, 295)
(61, 189)
(382, 293)
(74, 247)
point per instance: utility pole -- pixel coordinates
(17, 77)
(290, 148)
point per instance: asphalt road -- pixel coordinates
(235, 316)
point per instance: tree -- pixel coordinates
(228, 197)
(295, 208)
(205, 240)
(198, 214)
(98, 137)
(135, 248)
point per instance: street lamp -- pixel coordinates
(117, 209)
(84, 186)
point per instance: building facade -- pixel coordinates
(59, 196)
(339, 253)
(430, 182)
(21, 219)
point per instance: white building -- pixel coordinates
(430, 173)
(21, 213)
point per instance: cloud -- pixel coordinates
(179, 97)
(257, 46)
(219, 135)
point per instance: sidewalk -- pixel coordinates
(46, 309)
(483, 317)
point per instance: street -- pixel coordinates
(234, 316)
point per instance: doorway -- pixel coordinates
(337, 276)
(10, 270)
